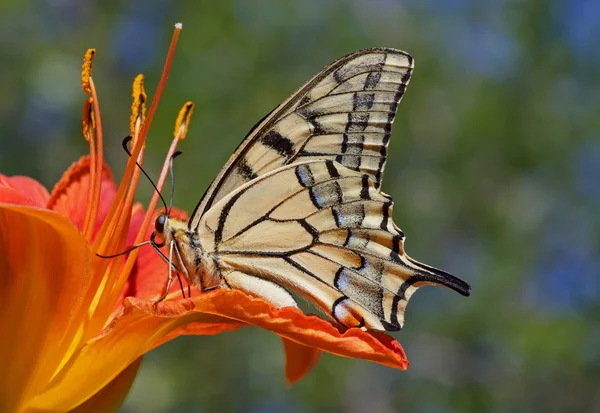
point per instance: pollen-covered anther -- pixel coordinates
(138, 106)
(89, 123)
(183, 120)
(86, 71)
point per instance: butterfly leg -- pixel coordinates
(187, 275)
(170, 279)
(214, 287)
(275, 294)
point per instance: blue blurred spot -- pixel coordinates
(135, 44)
(568, 280)
(475, 31)
(565, 278)
(580, 22)
(445, 6)
(140, 32)
(465, 257)
(40, 117)
(488, 51)
(586, 164)
(60, 17)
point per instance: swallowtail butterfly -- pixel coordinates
(299, 208)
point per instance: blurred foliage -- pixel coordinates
(494, 165)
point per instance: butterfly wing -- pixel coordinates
(325, 232)
(344, 113)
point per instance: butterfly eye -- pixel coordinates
(159, 224)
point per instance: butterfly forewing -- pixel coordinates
(324, 231)
(344, 114)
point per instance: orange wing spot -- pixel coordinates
(345, 314)
(86, 70)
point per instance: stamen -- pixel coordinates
(101, 240)
(91, 210)
(98, 162)
(89, 127)
(86, 70)
(159, 90)
(120, 284)
(183, 120)
(115, 241)
(138, 107)
(114, 228)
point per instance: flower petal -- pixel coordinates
(112, 396)
(312, 331)
(44, 273)
(129, 336)
(22, 190)
(202, 328)
(299, 360)
(142, 325)
(70, 195)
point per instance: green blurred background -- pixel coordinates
(494, 165)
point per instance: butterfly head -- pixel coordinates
(168, 229)
(159, 224)
(162, 229)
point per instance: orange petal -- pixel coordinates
(142, 325)
(10, 196)
(112, 396)
(44, 273)
(137, 218)
(22, 190)
(202, 328)
(312, 331)
(70, 195)
(299, 360)
(129, 336)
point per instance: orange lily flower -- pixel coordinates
(76, 325)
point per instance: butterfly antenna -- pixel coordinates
(126, 141)
(124, 252)
(175, 155)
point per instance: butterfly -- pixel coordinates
(298, 208)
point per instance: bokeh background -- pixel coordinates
(494, 166)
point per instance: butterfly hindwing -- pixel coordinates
(344, 113)
(325, 232)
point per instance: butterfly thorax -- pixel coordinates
(187, 254)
